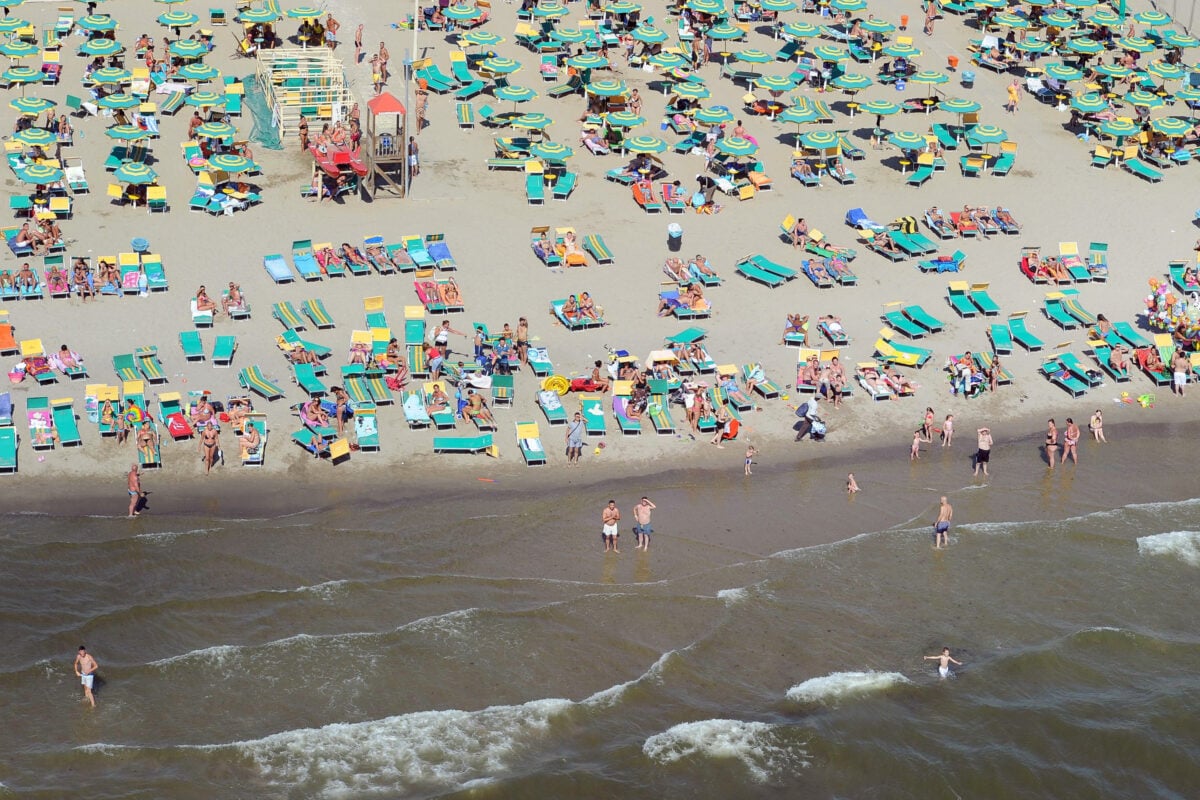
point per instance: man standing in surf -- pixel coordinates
(85, 670)
(944, 660)
(641, 528)
(135, 490)
(609, 532)
(942, 526)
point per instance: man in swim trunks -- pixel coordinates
(641, 526)
(609, 533)
(983, 454)
(942, 526)
(85, 669)
(135, 490)
(944, 660)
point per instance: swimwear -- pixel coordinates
(88, 680)
(944, 672)
(942, 527)
(983, 456)
(610, 531)
(132, 493)
(644, 530)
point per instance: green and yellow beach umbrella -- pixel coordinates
(136, 173)
(1172, 127)
(774, 83)
(1105, 18)
(550, 151)
(204, 99)
(1059, 19)
(198, 72)
(819, 140)
(1152, 18)
(644, 144)
(1089, 103)
(550, 10)
(35, 137)
(907, 140)
(481, 38)
(829, 52)
(588, 61)
(111, 75)
(515, 94)
(800, 30)
(877, 25)
(1136, 44)
(736, 146)
(101, 47)
(1140, 97)
(568, 35)
(1063, 72)
(989, 134)
(258, 16)
(882, 108)
(624, 119)
(22, 76)
(1165, 71)
(798, 114)
(851, 82)
(188, 48)
(691, 90)
(724, 32)
(536, 121)
(216, 130)
(498, 65)
(304, 12)
(231, 163)
(665, 60)
(1033, 44)
(126, 133)
(714, 115)
(14, 48)
(1118, 127)
(849, 5)
(40, 174)
(11, 24)
(121, 100)
(958, 105)
(930, 78)
(901, 50)
(607, 88)
(1011, 21)
(96, 23)
(622, 7)
(1179, 40)
(778, 6)
(710, 7)
(1114, 70)
(1085, 46)
(462, 13)
(30, 106)
(1082, 3)
(649, 34)
(178, 19)
(753, 56)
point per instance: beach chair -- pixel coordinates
(535, 183)
(278, 269)
(126, 367)
(8, 340)
(1089, 377)
(1021, 333)
(1131, 163)
(529, 440)
(894, 316)
(304, 261)
(876, 389)
(923, 318)
(748, 269)
(984, 361)
(415, 247)
(765, 387)
(1098, 261)
(1001, 338)
(443, 419)
(1068, 256)
(902, 355)
(315, 311)
(306, 378)
(593, 414)
(377, 386)
(156, 279)
(552, 407)
(873, 238)
(463, 444)
(965, 226)
(923, 172)
(252, 379)
(1056, 313)
(148, 365)
(439, 251)
(290, 340)
(193, 348)
(658, 409)
(643, 195)
(983, 300)
(287, 315)
(959, 298)
(40, 418)
(1055, 372)
(8, 449)
(1101, 353)
(1070, 303)
(594, 245)
(1141, 356)
(65, 422)
(172, 416)
(223, 349)
(366, 428)
(1126, 333)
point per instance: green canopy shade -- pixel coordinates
(645, 144)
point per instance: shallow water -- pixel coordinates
(450, 649)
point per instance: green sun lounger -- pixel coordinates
(923, 318)
(764, 385)
(366, 428)
(1102, 354)
(149, 365)
(252, 379)
(659, 412)
(377, 386)
(502, 390)
(416, 412)
(595, 246)
(1060, 376)
(462, 444)
(1056, 313)
(539, 362)
(292, 338)
(287, 315)
(984, 362)
(415, 247)
(552, 407)
(1142, 169)
(307, 380)
(529, 440)
(1077, 368)
(593, 414)
(1001, 338)
(193, 348)
(41, 423)
(769, 266)
(354, 381)
(156, 278)
(958, 295)
(257, 456)
(63, 411)
(315, 311)
(1071, 303)
(223, 349)
(1021, 333)
(983, 300)
(8, 450)
(749, 270)
(1130, 336)
(903, 324)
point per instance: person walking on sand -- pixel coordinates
(984, 452)
(1071, 442)
(931, 13)
(1051, 442)
(851, 484)
(944, 660)
(1014, 97)
(641, 527)
(575, 431)
(948, 430)
(135, 490)
(1097, 427)
(609, 533)
(358, 34)
(941, 528)
(85, 670)
(751, 452)
(384, 55)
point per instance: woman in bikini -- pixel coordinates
(314, 415)
(927, 425)
(449, 293)
(203, 301)
(1051, 442)
(352, 255)
(57, 280)
(1071, 442)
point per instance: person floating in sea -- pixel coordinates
(609, 518)
(85, 670)
(944, 660)
(942, 526)
(641, 526)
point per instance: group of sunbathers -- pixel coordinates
(578, 308)
(42, 238)
(886, 380)
(1049, 268)
(829, 379)
(691, 297)
(444, 292)
(695, 270)
(968, 378)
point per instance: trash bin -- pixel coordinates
(901, 84)
(952, 62)
(904, 22)
(968, 79)
(674, 237)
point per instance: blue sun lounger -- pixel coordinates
(278, 269)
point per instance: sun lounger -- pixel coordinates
(767, 265)
(431, 300)
(594, 245)
(903, 355)
(593, 414)
(415, 247)
(463, 444)
(255, 457)
(836, 336)
(278, 269)
(551, 405)
(1068, 256)
(940, 227)
(658, 409)
(172, 416)
(643, 195)
(872, 381)
(1070, 302)
(923, 318)
(581, 323)
(1101, 353)
(1021, 333)
(304, 261)
(125, 367)
(315, 311)
(65, 422)
(964, 225)
(252, 379)
(535, 186)
(766, 387)
(193, 348)
(895, 317)
(223, 349)
(1130, 336)
(416, 413)
(529, 440)
(289, 340)
(149, 366)
(1089, 377)
(873, 240)
(1143, 170)
(439, 251)
(959, 297)
(750, 270)
(1141, 356)
(1056, 313)
(8, 450)
(951, 263)
(1001, 339)
(1060, 376)
(983, 300)
(287, 315)
(38, 414)
(306, 378)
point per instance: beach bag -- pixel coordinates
(818, 428)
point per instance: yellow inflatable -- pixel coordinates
(556, 383)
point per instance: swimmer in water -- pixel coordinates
(944, 661)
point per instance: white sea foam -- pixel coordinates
(325, 590)
(731, 596)
(752, 743)
(1184, 545)
(168, 536)
(838, 685)
(215, 656)
(606, 698)
(422, 751)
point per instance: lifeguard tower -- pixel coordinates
(383, 147)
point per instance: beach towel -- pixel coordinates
(549, 400)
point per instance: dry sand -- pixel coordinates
(1053, 192)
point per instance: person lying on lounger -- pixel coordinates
(352, 255)
(818, 271)
(730, 387)
(360, 353)
(476, 408)
(68, 359)
(676, 270)
(836, 267)
(875, 382)
(593, 141)
(802, 169)
(796, 323)
(449, 293)
(884, 242)
(542, 247)
(325, 257)
(694, 297)
(1052, 269)
(899, 383)
(698, 267)
(832, 324)
(936, 218)
(1005, 218)
(1118, 358)
(301, 355)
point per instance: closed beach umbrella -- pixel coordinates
(231, 163)
(1118, 127)
(481, 38)
(17, 49)
(1140, 97)
(126, 133)
(819, 140)
(649, 34)
(667, 60)
(304, 12)
(877, 26)
(1165, 71)
(828, 52)
(551, 151)
(989, 134)
(1063, 72)
(515, 94)
(498, 65)
(777, 6)
(532, 122)
(754, 57)
(216, 130)
(1171, 126)
(774, 83)
(607, 88)
(1152, 18)
(118, 101)
(461, 12)
(901, 50)
(135, 172)
(691, 90)
(645, 144)
(1179, 40)
(588, 61)
(958, 105)
(622, 7)
(710, 7)
(97, 23)
(1059, 19)
(714, 115)
(1089, 103)
(1104, 18)
(40, 174)
(30, 106)
(736, 146)
(36, 137)
(907, 140)
(177, 19)
(550, 11)
(198, 72)
(569, 35)
(204, 99)
(188, 48)
(1135, 44)
(1085, 46)
(257, 16)
(1011, 21)
(883, 108)
(724, 31)
(849, 5)
(624, 119)
(852, 82)
(800, 30)
(101, 47)
(111, 75)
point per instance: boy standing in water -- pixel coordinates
(944, 661)
(942, 526)
(85, 669)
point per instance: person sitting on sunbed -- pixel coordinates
(57, 279)
(31, 238)
(51, 232)
(598, 378)
(796, 323)
(587, 307)
(1005, 217)
(809, 372)
(237, 409)
(676, 270)
(82, 281)
(1118, 358)
(802, 169)
(662, 371)
(594, 142)
(233, 299)
(108, 276)
(250, 439)
(694, 297)
(1153, 361)
(476, 408)
(542, 247)
(799, 232)
(1103, 327)
(360, 353)
(352, 255)
(449, 293)
(1191, 281)
(936, 218)
(203, 301)
(637, 402)
(884, 242)
(26, 278)
(313, 415)
(754, 376)
(108, 415)
(389, 356)
(697, 353)
(571, 251)
(327, 256)
(438, 399)
(570, 310)
(1053, 269)
(68, 359)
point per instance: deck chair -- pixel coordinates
(1057, 313)
(306, 378)
(252, 379)
(1021, 333)
(149, 366)
(8, 450)
(767, 388)
(65, 422)
(287, 315)
(315, 311)
(1057, 373)
(223, 349)
(959, 299)
(983, 300)
(304, 261)
(529, 440)
(193, 348)
(463, 444)
(535, 183)
(894, 316)
(595, 246)
(923, 318)
(1001, 339)
(278, 269)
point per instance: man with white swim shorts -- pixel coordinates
(944, 661)
(85, 668)
(609, 532)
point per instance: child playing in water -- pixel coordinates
(915, 453)
(751, 452)
(948, 430)
(945, 660)
(851, 484)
